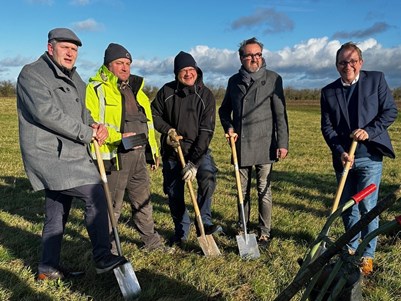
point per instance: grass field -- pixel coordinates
(303, 190)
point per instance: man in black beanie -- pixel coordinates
(132, 140)
(186, 107)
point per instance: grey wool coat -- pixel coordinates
(258, 115)
(54, 127)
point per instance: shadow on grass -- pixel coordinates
(23, 292)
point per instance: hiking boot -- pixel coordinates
(366, 266)
(53, 275)
(263, 241)
(108, 263)
(59, 274)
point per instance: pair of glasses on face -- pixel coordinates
(248, 56)
(352, 63)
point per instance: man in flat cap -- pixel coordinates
(55, 130)
(186, 107)
(131, 141)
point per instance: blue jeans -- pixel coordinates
(365, 171)
(57, 206)
(173, 186)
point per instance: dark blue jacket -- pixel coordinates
(376, 112)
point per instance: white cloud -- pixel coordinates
(308, 64)
(88, 25)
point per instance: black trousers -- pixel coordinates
(57, 209)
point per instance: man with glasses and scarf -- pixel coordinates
(254, 113)
(359, 106)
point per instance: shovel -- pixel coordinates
(206, 242)
(344, 177)
(125, 274)
(247, 245)
(321, 248)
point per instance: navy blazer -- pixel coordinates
(376, 112)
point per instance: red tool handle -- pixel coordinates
(398, 219)
(364, 193)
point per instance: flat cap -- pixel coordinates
(64, 34)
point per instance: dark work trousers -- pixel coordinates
(263, 180)
(134, 177)
(57, 209)
(173, 186)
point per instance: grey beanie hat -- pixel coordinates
(63, 34)
(115, 51)
(183, 60)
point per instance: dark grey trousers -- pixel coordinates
(134, 178)
(263, 179)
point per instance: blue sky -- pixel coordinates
(301, 37)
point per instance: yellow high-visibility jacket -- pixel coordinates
(106, 104)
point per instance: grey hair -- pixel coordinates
(247, 42)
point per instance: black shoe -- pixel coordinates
(213, 229)
(109, 262)
(175, 241)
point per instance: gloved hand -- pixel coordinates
(171, 138)
(189, 172)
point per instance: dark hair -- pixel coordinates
(247, 42)
(348, 46)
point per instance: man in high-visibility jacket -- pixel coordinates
(116, 98)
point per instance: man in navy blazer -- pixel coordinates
(359, 105)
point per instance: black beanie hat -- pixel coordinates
(183, 60)
(115, 51)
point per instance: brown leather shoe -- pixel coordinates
(366, 266)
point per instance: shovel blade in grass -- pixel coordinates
(127, 281)
(248, 246)
(208, 245)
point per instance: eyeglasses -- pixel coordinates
(352, 63)
(248, 56)
(189, 69)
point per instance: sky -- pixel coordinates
(300, 37)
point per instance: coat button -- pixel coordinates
(81, 137)
(90, 161)
(68, 89)
(77, 99)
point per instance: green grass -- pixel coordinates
(303, 190)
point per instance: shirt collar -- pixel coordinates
(353, 82)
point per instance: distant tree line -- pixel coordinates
(8, 89)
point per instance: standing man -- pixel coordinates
(359, 106)
(186, 107)
(55, 130)
(115, 98)
(253, 112)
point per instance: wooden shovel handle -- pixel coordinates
(344, 175)
(191, 190)
(236, 169)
